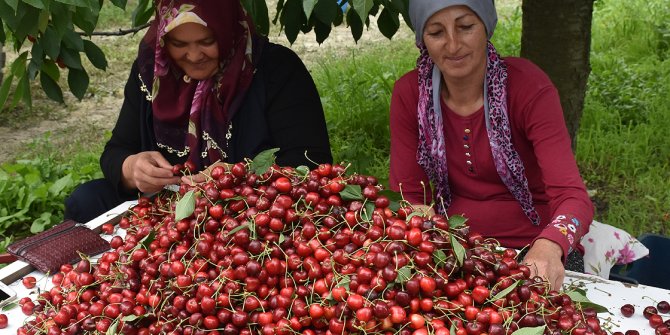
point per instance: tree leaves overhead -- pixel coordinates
(55, 27)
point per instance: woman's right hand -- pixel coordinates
(147, 171)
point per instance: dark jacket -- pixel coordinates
(281, 109)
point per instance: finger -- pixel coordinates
(194, 179)
(160, 160)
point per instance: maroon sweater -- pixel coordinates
(540, 137)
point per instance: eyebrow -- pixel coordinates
(457, 19)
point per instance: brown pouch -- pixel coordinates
(50, 249)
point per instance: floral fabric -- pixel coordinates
(606, 246)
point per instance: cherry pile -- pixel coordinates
(294, 251)
(650, 313)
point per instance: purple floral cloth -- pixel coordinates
(432, 155)
(606, 246)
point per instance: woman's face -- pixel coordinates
(456, 41)
(194, 49)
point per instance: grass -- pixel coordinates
(623, 149)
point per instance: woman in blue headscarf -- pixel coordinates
(476, 134)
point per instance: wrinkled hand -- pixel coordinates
(147, 171)
(544, 260)
(204, 175)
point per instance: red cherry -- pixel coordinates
(627, 310)
(29, 282)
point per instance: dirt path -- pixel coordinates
(97, 112)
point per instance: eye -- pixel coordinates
(208, 42)
(176, 44)
(434, 33)
(467, 26)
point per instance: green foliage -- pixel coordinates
(53, 32)
(32, 191)
(622, 149)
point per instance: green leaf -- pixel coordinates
(112, 329)
(95, 55)
(40, 224)
(86, 18)
(238, 228)
(394, 199)
(51, 43)
(43, 20)
(3, 37)
(49, 67)
(321, 30)
(344, 282)
(19, 65)
(291, 19)
(59, 185)
(404, 274)
(131, 318)
(142, 13)
(326, 11)
(302, 170)
(4, 89)
(439, 257)
(51, 88)
(9, 307)
(148, 239)
(185, 206)
(78, 81)
(351, 192)
(35, 3)
(580, 297)
(456, 221)
(71, 58)
(78, 3)
(263, 161)
(12, 3)
(73, 41)
(120, 3)
(505, 292)
(458, 248)
(308, 6)
(22, 89)
(367, 211)
(61, 17)
(258, 11)
(388, 22)
(452, 330)
(530, 331)
(356, 25)
(362, 7)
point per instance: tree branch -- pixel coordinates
(120, 32)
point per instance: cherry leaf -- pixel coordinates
(9, 307)
(148, 239)
(580, 297)
(459, 250)
(112, 328)
(530, 331)
(351, 192)
(439, 257)
(404, 274)
(302, 170)
(452, 330)
(238, 228)
(263, 161)
(185, 206)
(131, 317)
(505, 292)
(367, 211)
(457, 221)
(394, 199)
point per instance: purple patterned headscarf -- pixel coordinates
(432, 155)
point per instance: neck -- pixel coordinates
(464, 96)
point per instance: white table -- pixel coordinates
(607, 293)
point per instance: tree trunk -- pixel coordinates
(556, 35)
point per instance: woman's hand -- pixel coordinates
(544, 260)
(203, 176)
(147, 171)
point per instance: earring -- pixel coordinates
(187, 79)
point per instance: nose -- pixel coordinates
(194, 54)
(452, 42)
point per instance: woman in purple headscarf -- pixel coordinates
(204, 89)
(475, 134)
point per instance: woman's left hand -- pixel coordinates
(203, 175)
(544, 260)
